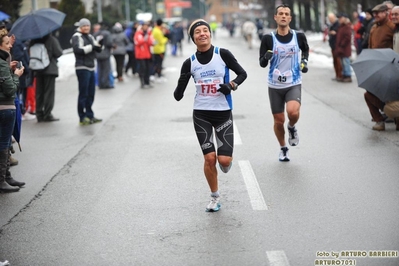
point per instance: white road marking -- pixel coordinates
(254, 192)
(277, 258)
(237, 137)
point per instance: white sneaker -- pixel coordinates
(28, 116)
(283, 157)
(293, 138)
(152, 78)
(214, 205)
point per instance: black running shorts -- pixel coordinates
(220, 122)
(278, 97)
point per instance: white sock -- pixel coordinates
(215, 194)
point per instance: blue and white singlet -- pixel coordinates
(207, 79)
(284, 71)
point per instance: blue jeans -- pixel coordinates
(87, 89)
(7, 121)
(346, 67)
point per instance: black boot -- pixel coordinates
(4, 186)
(12, 182)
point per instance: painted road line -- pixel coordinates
(277, 258)
(237, 137)
(254, 192)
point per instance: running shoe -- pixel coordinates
(95, 120)
(293, 138)
(283, 157)
(85, 121)
(214, 205)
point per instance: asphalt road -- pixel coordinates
(130, 190)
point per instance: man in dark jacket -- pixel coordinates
(45, 80)
(381, 36)
(366, 27)
(332, 38)
(343, 46)
(85, 47)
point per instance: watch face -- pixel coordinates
(233, 85)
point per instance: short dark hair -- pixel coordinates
(280, 6)
(159, 22)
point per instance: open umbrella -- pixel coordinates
(4, 16)
(377, 71)
(37, 24)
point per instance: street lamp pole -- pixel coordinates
(127, 10)
(34, 5)
(200, 9)
(99, 11)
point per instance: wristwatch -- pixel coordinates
(234, 85)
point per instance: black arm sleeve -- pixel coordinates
(303, 45)
(232, 64)
(183, 80)
(265, 45)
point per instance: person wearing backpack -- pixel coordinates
(45, 79)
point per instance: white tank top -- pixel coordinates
(207, 79)
(284, 68)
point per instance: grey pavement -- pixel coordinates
(130, 190)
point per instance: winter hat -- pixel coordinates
(84, 22)
(195, 24)
(369, 10)
(380, 8)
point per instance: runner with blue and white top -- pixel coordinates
(288, 51)
(212, 114)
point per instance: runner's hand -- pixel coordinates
(225, 88)
(268, 55)
(304, 66)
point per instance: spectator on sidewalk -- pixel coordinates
(375, 105)
(367, 23)
(45, 80)
(332, 39)
(159, 49)
(390, 5)
(131, 63)
(381, 36)
(119, 44)
(356, 25)
(9, 74)
(143, 41)
(177, 36)
(103, 57)
(343, 46)
(20, 53)
(259, 28)
(84, 47)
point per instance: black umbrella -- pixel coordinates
(37, 24)
(377, 71)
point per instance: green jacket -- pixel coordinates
(8, 81)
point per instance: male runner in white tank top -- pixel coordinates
(282, 48)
